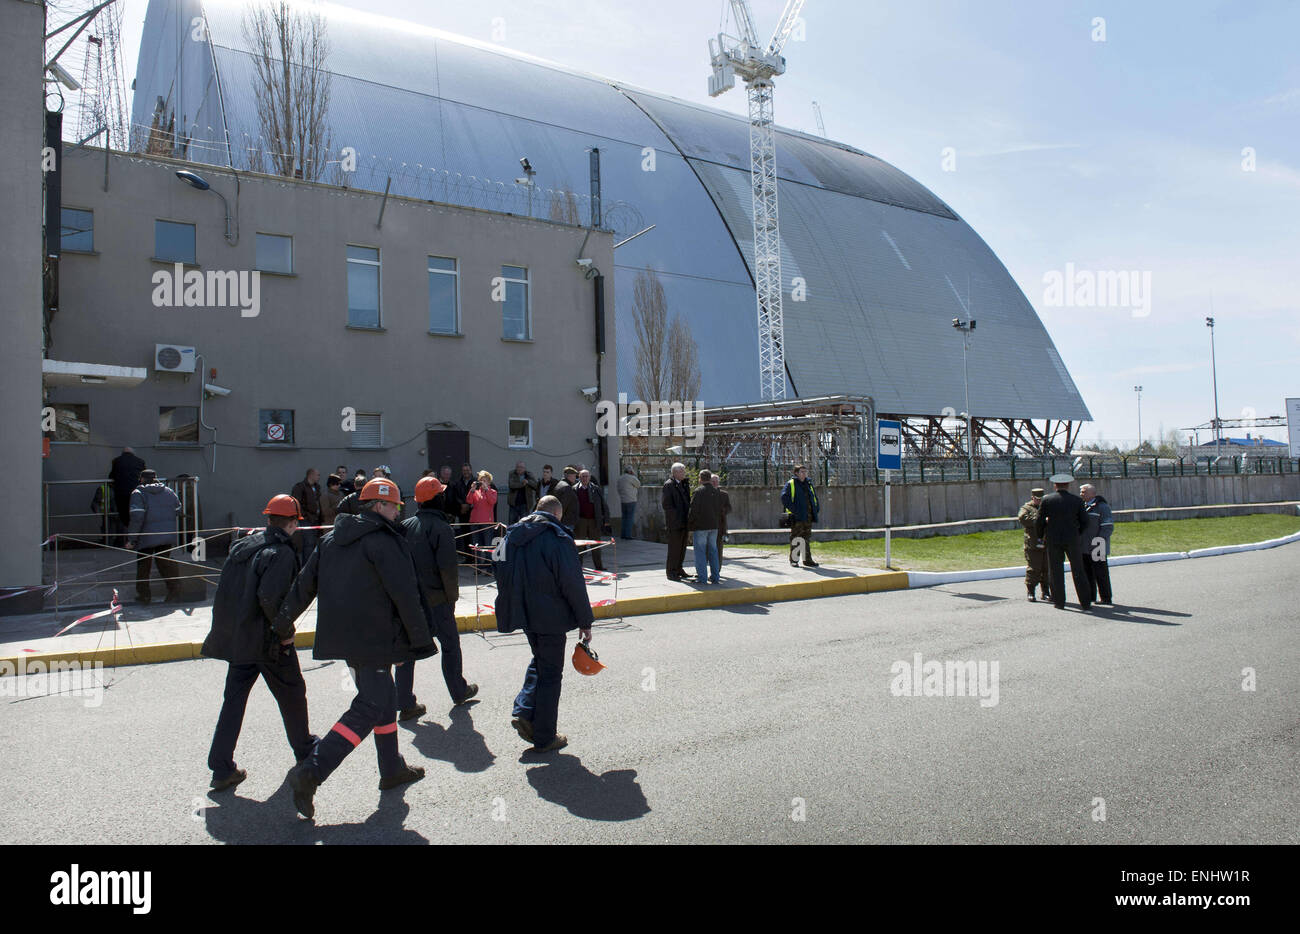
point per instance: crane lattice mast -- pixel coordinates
(757, 65)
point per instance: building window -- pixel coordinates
(275, 253)
(77, 230)
(519, 433)
(71, 423)
(173, 242)
(178, 424)
(369, 431)
(275, 426)
(363, 287)
(444, 288)
(514, 307)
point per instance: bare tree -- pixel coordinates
(291, 86)
(683, 362)
(650, 316)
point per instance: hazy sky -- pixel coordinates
(1117, 155)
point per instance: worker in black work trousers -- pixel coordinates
(1061, 518)
(372, 616)
(433, 547)
(254, 580)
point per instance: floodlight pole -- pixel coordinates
(1214, 371)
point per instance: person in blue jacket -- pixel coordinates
(540, 589)
(800, 502)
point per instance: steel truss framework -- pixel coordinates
(935, 436)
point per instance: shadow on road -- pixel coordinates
(460, 744)
(1128, 614)
(981, 597)
(613, 796)
(244, 820)
(747, 609)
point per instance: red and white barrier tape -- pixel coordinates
(114, 609)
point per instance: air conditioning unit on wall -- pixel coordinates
(173, 358)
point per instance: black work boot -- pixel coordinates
(410, 713)
(304, 786)
(402, 776)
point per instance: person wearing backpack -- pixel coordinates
(800, 503)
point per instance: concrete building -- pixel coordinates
(443, 334)
(22, 114)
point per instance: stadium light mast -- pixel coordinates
(966, 327)
(758, 65)
(1138, 390)
(1214, 371)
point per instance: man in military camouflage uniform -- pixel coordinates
(1035, 550)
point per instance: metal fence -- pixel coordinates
(835, 472)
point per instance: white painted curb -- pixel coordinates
(933, 578)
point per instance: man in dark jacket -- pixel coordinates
(592, 516)
(433, 548)
(125, 475)
(1061, 519)
(246, 633)
(371, 615)
(345, 480)
(676, 501)
(152, 532)
(307, 492)
(541, 591)
(702, 521)
(564, 492)
(726, 511)
(1095, 543)
(800, 500)
(523, 492)
(461, 488)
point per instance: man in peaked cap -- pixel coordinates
(1060, 520)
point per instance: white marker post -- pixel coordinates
(889, 457)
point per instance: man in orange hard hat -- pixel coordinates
(372, 616)
(433, 547)
(246, 633)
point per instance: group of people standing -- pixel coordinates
(1062, 525)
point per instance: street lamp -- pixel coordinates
(966, 327)
(527, 181)
(1214, 370)
(1138, 390)
(198, 181)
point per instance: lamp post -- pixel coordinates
(1214, 371)
(197, 181)
(1138, 390)
(966, 327)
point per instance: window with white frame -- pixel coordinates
(515, 323)
(444, 295)
(363, 286)
(275, 253)
(519, 433)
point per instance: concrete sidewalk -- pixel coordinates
(633, 584)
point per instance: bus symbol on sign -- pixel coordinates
(274, 432)
(889, 451)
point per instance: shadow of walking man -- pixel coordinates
(460, 744)
(613, 796)
(245, 820)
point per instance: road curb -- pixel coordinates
(117, 657)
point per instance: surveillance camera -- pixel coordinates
(61, 75)
(590, 393)
(215, 390)
(584, 262)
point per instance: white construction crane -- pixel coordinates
(757, 65)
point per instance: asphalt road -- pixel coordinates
(751, 724)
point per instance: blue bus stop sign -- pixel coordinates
(889, 445)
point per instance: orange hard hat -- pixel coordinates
(282, 504)
(427, 488)
(381, 488)
(585, 660)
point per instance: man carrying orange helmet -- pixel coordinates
(246, 633)
(433, 546)
(541, 591)
(372, 616)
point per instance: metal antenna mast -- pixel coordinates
(757, 65)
